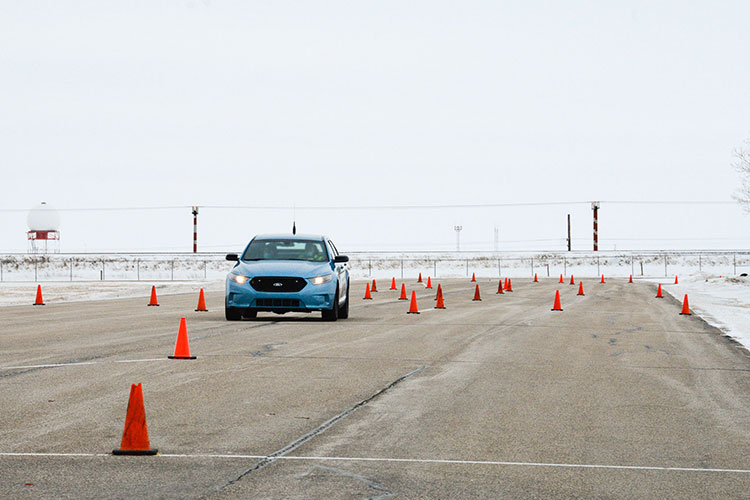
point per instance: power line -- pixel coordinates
(381, 207)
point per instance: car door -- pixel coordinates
(340, 270)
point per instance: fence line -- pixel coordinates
(205, 266)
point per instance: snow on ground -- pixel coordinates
(24, 293)
(723, 301)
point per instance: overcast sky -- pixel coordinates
(164, 103)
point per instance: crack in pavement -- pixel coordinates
(318, 430)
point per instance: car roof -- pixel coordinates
(287, 236)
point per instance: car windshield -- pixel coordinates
(310, 250)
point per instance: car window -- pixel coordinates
(281, 249)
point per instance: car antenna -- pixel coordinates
(294, 222)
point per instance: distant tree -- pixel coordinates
(741, 163)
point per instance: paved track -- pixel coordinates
(615, 397)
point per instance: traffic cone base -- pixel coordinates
(476, 294)
(153, 301)
(367, 293)
(39, 301)
(182, 347)
(557, 306)
(413, 306)
(403, 293)
(658, 292)
(135, 434)
(201, 302)
(685, 307)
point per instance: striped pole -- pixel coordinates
(595, 208)
(195, 229)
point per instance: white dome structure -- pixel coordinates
(43, 217)
(44, 229)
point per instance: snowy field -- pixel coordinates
(723, 301)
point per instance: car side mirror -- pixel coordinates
(339, 259)
(233, 257)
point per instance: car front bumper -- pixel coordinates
(310, 298)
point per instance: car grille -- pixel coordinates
(283, 284)
(277, 303)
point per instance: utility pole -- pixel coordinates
(195, 229)
(595, 208)
(458, 237)
(569, 240)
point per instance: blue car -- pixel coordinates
(288, 273)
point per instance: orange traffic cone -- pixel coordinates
(557, 306)
(439, 292)
(658, 292)
(536, 280)
(39, 301)
(153, 301)
(201, 302)
(499, 287)
(476, 294)
(420, 278)
(685, 307)
(393, 284)
(473, 277)
(602, 281)
(135, 434)
(675, 280)
(572, 280)
(367, 293)
(182, 347)
(374, 287)
(440, 304)
(631, 279)
(509, 286)
(413, 306)
(403, 293)
(429, 282)
(580, 288)
(561, 279)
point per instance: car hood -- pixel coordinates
(298, 268)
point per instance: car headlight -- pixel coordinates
(319, 280)
(238, 278)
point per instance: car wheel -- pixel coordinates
(250, 313)
(232, 313)
(332, 314)
(344, 310)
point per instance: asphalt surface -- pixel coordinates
(617, 396)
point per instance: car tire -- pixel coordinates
(332, 314)
(250, 313)
(232, 313)
(344, 310)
